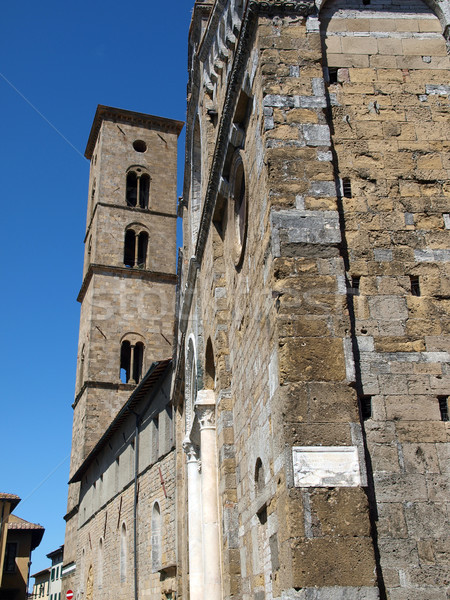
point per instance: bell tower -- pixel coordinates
(128, 292)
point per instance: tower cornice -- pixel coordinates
(141, 274)
(109, 113)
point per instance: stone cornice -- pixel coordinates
(143, 274)
(109, 113)
(102, 385)
(134, 209)
(301, 8)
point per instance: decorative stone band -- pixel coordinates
(300, 7)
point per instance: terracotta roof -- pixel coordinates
(10, 498)
(43, 572)
(18, 524)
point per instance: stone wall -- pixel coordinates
(339, 121)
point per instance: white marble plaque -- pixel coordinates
(326, 466)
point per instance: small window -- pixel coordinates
(130, 248)
(332, 75)
(366, 407)
(139, 145)
(354, 288)
(259, 476)
(142, 249)
(138, 359)
(144, 189)
(262, 515)
(239, 210)
(9, 565)
(125, 361)
(347, 187)
(123, 554)
(131, 193)
(443, 407)
(415, 286)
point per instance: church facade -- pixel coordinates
(305, 446)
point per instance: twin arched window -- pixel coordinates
(131, 360)
(138, 188)
(135, 249)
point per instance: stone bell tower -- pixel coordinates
(128, 292)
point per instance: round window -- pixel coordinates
(139, 145)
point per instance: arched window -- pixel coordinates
(131, 194)
(156, 538)
(210, 369)
(135, 247)
(131, 358)
(240, 208)
(196, 182)
(259, 476)
(130, 248)
(137, 188)
(142, 249)
(100, 564)
(123, 553)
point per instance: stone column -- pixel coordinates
(194, 521)
(205, 408)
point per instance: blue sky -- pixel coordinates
(64, 58)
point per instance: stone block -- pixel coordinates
(341, 561)
(391, 520)
(400, 553)
(339, 511)
(312, 360)
(412, 408)
(359, 45)
(396, 487)
(425, 520)
(420, 458)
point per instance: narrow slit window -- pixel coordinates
(138, 361)
(355, 286)
(144, 189)
(443, 407)
(142, 249)
(366, 407)
(262, 515)
(332, 75)
(415, 286)
(130, 248)
(132, 185)
(125, 359)
(347, 187)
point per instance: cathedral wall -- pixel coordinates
(391, 132)
(105, 520)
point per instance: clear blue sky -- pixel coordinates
(65, 58)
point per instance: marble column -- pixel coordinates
(194, 521)
(205, 408)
